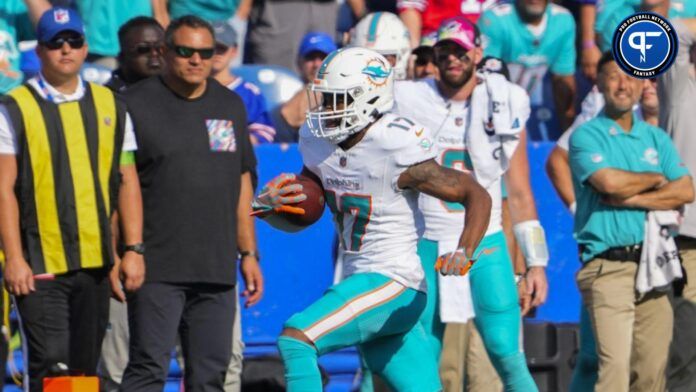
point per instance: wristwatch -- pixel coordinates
(249, 253)
(138, 248)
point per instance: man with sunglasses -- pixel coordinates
(196, 164)
(259, 122)
(458, 107)
(141, 40)
(66, 165)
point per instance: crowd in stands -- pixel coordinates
(609, 130)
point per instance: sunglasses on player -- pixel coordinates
(57, 43)
(186, 52)
(443, 52)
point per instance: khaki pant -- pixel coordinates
(681, 372)
(633, 335)
(464, 357)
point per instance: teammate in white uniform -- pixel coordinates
(387, 35)
(372, 166)
(476, 127)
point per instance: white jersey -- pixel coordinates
(449, 122)
(376, 221)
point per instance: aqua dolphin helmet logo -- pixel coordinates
(377, 71)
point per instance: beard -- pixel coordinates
(456, 82)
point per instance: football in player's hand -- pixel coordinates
(313, 205)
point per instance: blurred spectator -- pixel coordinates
(313, 49)
(194, 141)
(14, 27)
(622, 169)
(384, 33)
(235, 12)
(423, 17)
(258, 121)
(276, 26)
(62, 287)
(590, 52)
(141, 40)
(423, 63)
(537, 40)
(102, 21)
(677, 91)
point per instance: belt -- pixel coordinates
(621, 253)
(684, 242)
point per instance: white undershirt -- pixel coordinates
(8, 140)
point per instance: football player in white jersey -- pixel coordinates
(372, 166)
(477, 123)
(387, 35)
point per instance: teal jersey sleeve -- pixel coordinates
(565, 56)
(493, 31)
(586, 155)
(608, 19)
(670, 162)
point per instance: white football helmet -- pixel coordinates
(352, 88)
(386, 34)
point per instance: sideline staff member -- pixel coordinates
(195, 162)
(622, 168)
(61, 166)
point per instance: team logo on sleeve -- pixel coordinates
(645, 45)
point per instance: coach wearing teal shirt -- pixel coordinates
(622, 168)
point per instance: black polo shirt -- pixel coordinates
(191, 155)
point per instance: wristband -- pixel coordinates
(572, 208)
(532, 241)
(589, 44)
(249, 253)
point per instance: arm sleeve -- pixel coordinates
(565, 62)
(129, 142)
(8, 140)
(586, 155)
(491, 30)
(670, 162)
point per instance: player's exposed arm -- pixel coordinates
(564, 98)
(558, 170)
(520, 197)
(453, 186)
(528, 231)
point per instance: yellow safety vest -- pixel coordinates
(67, 179)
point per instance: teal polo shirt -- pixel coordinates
(103, 18)
(210, 10)
(601, 143)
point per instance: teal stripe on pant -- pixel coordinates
(378, 315)
(495, 300)
(430, 318)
